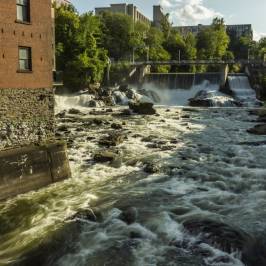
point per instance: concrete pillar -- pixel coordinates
(224, 70)
(143, 70)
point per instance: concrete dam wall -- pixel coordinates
(30, 168)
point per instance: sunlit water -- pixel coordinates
(208, 166)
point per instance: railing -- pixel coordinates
(198, 62)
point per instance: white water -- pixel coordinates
(242, 90)
(180, 97)
(206, 173)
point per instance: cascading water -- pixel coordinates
(176, 89)
(241, 89)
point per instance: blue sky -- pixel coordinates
(190, 12)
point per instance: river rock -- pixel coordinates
(74, 111)
(254, 253)
(258, 130)
(113, 139)
(129, 215)
(104, 156)
(219, 234)
(144, 108)
(209, 99)
(116, 126)
(151, 168)
(93, 215)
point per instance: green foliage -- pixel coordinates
(77, 51)
(117, 31)
(119, 72)
(213, 41)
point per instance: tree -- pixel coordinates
(117, 32)
(77, 50)
(213, 41)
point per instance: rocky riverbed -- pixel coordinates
(184, 186)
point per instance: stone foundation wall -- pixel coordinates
(26, 116)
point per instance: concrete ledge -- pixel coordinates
(32, 167)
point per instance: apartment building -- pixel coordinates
(235, 31)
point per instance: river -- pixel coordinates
(192, 180)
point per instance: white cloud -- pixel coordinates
(188, 12)
(258, 35)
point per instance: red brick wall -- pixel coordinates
(37, 35)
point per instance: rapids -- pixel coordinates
(205, 166)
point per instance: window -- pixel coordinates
(25, 63)
(23, 10)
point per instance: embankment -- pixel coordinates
(32, 167)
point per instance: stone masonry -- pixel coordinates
(26, 116)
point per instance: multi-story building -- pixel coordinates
(26, 65)
(158, 15)
(236, 31)
(127, 9)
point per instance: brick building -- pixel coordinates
(26, 65)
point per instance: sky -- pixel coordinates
(193, 12)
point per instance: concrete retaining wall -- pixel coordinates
(32, 167)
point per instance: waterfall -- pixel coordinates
(177, 88)
(241, 89)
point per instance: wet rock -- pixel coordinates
(253, 143)
(149, 138)
(63, 128)
(104, 157)
(129, 215)
(151, 168)
(116, 126)
(135, 234)
(185, 116)
(209, 99)
(258, 130)
(126, 112)
(145, 108)
(89, 138)
(219, 234)
(167, 147)
(92, 103)
(62, 114)
(113, 139)
(93, 215)
(124, 87)
(74, 111)
(254, 253)
(109, 110)
(153, 146)
(97, 121)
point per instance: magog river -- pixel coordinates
(185, 187)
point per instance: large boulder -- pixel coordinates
(104, 156)
(210, 99)
(112, 139)
(142, 107)
(258, 130)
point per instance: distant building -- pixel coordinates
(158, 15)
(62, 2)
(127, 9)
(234, 31)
